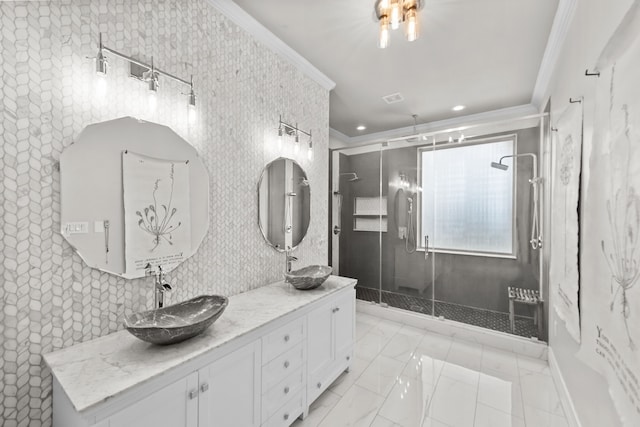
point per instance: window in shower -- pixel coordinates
(467, 206)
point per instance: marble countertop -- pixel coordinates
(97, 370)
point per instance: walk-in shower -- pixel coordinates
(445, 234)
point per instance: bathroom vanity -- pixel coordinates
(271, 354)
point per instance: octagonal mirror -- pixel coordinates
(133, 193)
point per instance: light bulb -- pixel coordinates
(450, 139)
(395, 14)
(412, 24)
(101, 86)
(193, 114)
(461, 138)
(310, 152)
(296, 148)
(153, 101)
(280, 139)
(383, 42)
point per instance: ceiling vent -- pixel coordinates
(393, 98)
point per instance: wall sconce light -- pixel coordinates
(286, 129)
(142, 71)
(310, 148)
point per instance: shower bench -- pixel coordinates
(528, 297)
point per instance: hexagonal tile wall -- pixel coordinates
(50, 298)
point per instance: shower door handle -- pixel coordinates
(426, 247)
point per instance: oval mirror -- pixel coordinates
(133, 193)
(283, 204)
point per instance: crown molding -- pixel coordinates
(447, 125)
(248, 23)
(555, 43)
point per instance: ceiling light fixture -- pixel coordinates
(361, 127)
(390, 13)
(458, 108)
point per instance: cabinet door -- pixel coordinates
(344, 325)
(230, 389)
(170, 406)
(320, 349)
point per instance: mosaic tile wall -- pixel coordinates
(49, 298)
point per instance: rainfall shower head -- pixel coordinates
(353, 175)
(499, 166)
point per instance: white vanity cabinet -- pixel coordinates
(330, 340)
(229, 390)
(260, 364)
(169, 406)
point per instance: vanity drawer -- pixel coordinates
(281, 340)
(283, 365)
(276, 397)
(287, 414)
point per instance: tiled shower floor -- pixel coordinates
(460, 313)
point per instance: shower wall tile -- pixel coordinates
(49, 92)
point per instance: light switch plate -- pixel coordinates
(76, 228)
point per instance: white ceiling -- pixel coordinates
(484, 54)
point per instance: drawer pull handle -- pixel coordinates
(286, 390)
(286, 416)
(193, 394)
(286, 338)
(204, 387)
(286, 364)
(319, 385)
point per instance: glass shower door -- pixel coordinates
(407, 267)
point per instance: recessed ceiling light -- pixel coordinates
(458, 108)
(361, 127)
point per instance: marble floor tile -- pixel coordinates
(487, 416)
(347, 379)
(454, 402)
(537, 417)
(358, 407)
(423, 367)
(435, 345)
(381, 374)
(407, 377)
(499, 360)
(501, 394)
(401, 346)
(386, 329)
(539, 391)
(408, 402)
(465, 354)
(319, 409)
(530, 364)
(370, 345)
(381, 421)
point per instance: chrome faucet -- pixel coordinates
(289, 259)
(161, 285)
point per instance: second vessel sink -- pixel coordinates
(178, 322)
(309, 277)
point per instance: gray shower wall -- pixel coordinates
(476, 281)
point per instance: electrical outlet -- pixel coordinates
(76, 228)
